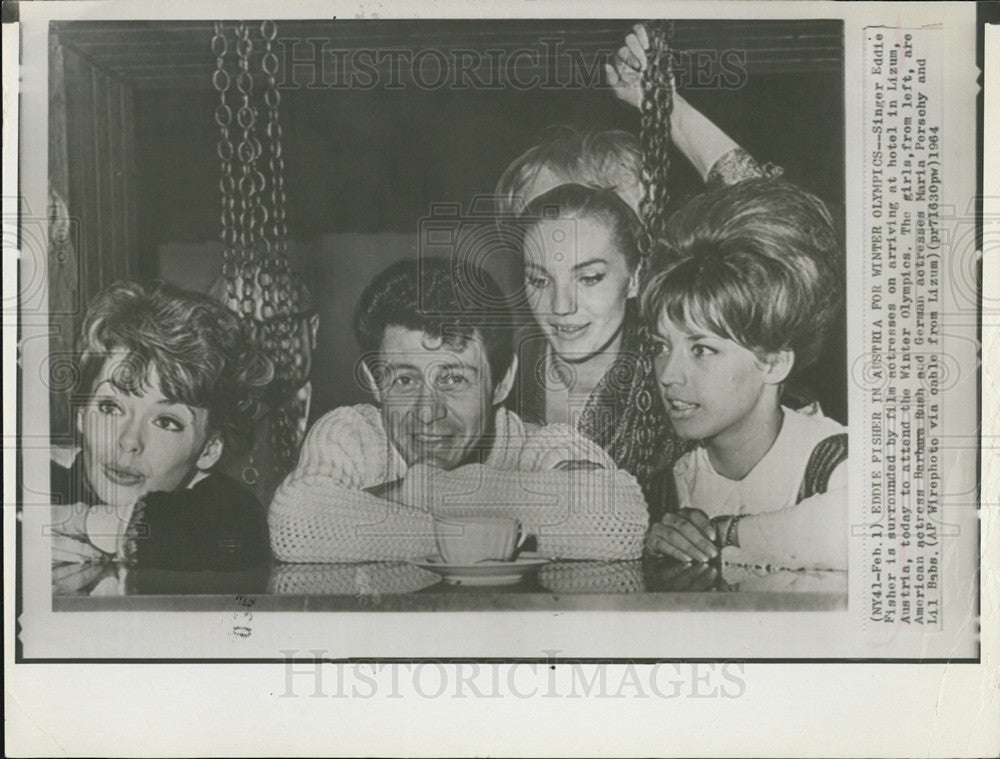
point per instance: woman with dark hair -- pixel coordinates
(578, 361)
(168, 383)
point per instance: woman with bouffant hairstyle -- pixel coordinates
(577, 196)
(759, 262)
(167, 383)
(740, 300)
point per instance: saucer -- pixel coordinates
(485, 572)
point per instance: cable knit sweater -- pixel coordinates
(321, 512)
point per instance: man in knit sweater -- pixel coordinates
(439, 359)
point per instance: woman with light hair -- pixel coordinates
(576, 196)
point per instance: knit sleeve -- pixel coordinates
(575, 515)
(315, 519)
(583, 514)
(345, 446)
(320, 512)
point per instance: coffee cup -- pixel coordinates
(469, 540)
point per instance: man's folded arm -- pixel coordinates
(316, 519)
(320, 512)
(575, 514)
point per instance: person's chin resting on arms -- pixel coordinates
(370, 479)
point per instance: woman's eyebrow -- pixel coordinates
(178, 404)
(589, 262)
(168, 402)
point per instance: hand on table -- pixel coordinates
(687, 535)
(72, 579)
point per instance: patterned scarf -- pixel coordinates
(624, 415)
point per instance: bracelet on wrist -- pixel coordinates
(726, 530)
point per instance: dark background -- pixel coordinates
(363, 167)
(376, 161)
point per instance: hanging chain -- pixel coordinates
(260, 286)
(288, 336)
(227, 184)
(247, 152)
(657, 105)
(276, 162)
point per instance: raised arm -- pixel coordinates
(713, 153)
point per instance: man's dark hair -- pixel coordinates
(447, 300)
